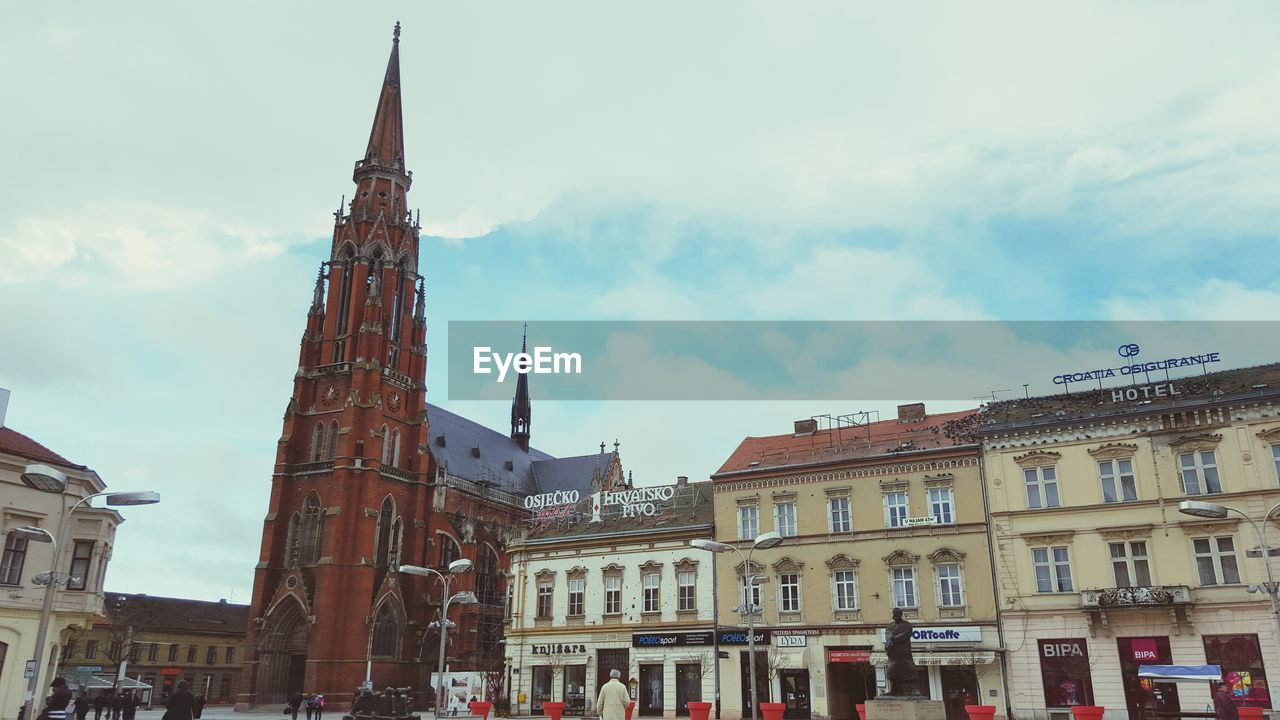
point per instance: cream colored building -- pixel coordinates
(89, 538)
(1099, 572)
(876, 515)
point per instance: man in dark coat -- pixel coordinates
(117, 705)
(1224, 706)
(55, 706)
(130, 705)
(295, 702)
(82, 706)
(181, 704)
(99, 702)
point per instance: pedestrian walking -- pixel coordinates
(181, 703)
(614, 698)
(318, 699)
(295, 702)
(130, 705)
(1224, 706)
(308, 702)
(199, 706)
(99, 703)
(82, 706)
(55, 706)
(117, 705)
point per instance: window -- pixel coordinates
(488, 577)
(577, 591)
(613, 595)
(211, 655)
(384, 536)
(91, 649)
(191, 653)
(1053, 569)
(545, 590)
(1064, 672)
(69, 650)
(749, 595)
(789, 592)
(317, 443)
(1129, 564)
(1042, 487)
(81, 554)
(448, 550)
(895, 509)
(15, 556)
(385, 459)
(1275, 458)
(153, 652)
(838, 508)
(941, 505)
(748, 522)
(113, 651)
(904, 587)
(846, 590)
(311, 530)
(395, 448)
(784, 518)
(686, 585)
(388, 626)
(173, 653)
(230, 655)
(1240, 655)
(135, 652)
(649, 584)
(1118, 484)
(1216, 560)
(950, 587)
(1199, 473)
(331, 445)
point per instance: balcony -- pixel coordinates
(1176, 599)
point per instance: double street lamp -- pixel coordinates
(752, 581)
(466, 597)
(49, 479)
(1197, 508)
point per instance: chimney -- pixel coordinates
(911, 412)
(682, 480)
(806, 427)
(4, 404)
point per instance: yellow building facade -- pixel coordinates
(1099, 572)
(875, 515)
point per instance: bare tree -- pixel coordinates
(705, 662)
(556, 661)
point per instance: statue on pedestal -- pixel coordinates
(901, 669)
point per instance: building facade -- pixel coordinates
(159, 641)
(1098, 570)
(89, 539)
(875, 515)
(610, 582)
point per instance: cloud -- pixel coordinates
(1213, 299)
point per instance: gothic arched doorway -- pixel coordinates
(282, 653)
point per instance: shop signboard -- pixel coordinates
(848, 656)
(944, 634)
(792, 641)
(672, 639)
(558, 648)
(739, 637)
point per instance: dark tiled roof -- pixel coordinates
(461, 438)
(1223, 386)
(147, 612)
(571, 473)
(846, 443)
(15, 443)
(692, 506)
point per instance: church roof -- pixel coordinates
(471, 451)
(570, 473)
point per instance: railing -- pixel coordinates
(310, 467)
(396, 472)
(1153, 596)
(395, 377)
(334, 368)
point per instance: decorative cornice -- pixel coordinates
(755, 567)
(1210, 527)
(894, 485)
(576, 571)
(841, 491)
(901, 557)
(1051, 538)
(843, 562)
(1126, 532)
(1271, 435)
(1195, 443)
(945, 555)
(684, 564)
(939, 481)
(544, 572)
(728, 486)
(786, 564)
(748, 500)
(611, 568)
(1113, 451)
(651, 565)
(1038, 458)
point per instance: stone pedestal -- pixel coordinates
(905, 708)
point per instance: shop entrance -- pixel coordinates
(1147, 699)
(575, 689)
(608, 660)
(851, 681)
(650, 690)
(762, 680)
(688, 687)
(959, 688)
(795, 693)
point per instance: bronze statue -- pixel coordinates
(901, 670)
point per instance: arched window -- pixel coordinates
(382, 541)
(317, 443)
(397, 538)
(312, 530)
(294, 541)
(386, 446)
(395, 448)
(448, 550)
(388, 629)
(488, 577)
(331, 447)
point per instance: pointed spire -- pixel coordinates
(420, 308)
(317, 299)
(386, 139)
(521, 406)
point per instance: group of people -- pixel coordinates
(312, 702)
(182, 704)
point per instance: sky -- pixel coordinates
(172, 170)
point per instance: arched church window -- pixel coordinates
(294, 541)
(488, 577)
(382, 541)
(317, 443)
(331, 446)
(386, 446)
(395, 448)
(312, 530)
(448, 550)
(397, 541)
(388, 629)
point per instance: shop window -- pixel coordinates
(1216, 560)
(1052, 568)
(748, 522)
(1199, 473)
(784, 517)
(541, 688)
(942, 505)
(81, 555)
(840, 519)
(1118, 482)
(1240, 657)
(575, 689)
(1144, 697)
(1129, 564)
(1042, 487)
(1064, 672)
(895, 509)
(15, 556)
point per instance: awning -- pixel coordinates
(977, 657)
(1182, 673)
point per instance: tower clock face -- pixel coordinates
(393, 400)
(330, 395)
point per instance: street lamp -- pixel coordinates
(1197, 508)
(456, 567)
(48, 479)
(762, 542)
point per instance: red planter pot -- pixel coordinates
(699, 710)
(862, 712)
(631, 707)
(1250, 713)
(772, 711)
(1087, 712)
(553, 709)
(981, 712)
(481, 708)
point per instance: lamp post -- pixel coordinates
(455, 568)
(761, 542)
(1197, 508)
(49, 479)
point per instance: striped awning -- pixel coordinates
(977, 657)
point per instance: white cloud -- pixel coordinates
(1214, 299)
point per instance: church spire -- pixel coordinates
(521, 407)
(386, 139)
